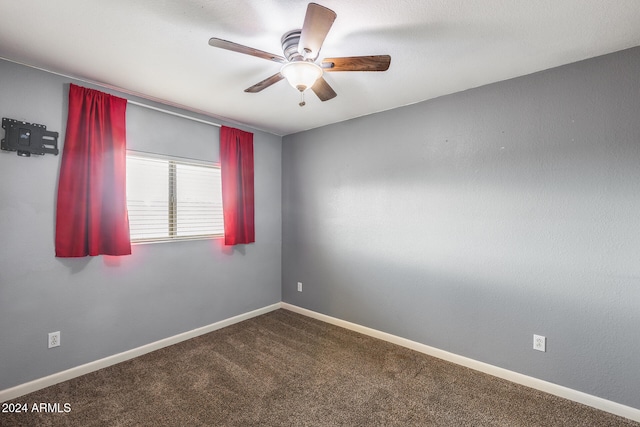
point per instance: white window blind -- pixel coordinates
(172, 199)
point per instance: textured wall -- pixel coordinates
(472, 221)
(105, 305)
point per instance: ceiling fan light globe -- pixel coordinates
(301, 75)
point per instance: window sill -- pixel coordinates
(176, 239)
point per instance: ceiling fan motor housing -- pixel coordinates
(290, 42)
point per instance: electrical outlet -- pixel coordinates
(54, 339)
(539, 343)
(299, 286)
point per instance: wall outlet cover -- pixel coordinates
(539, 343)
(54, 339)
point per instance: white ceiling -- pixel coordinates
(159, 49)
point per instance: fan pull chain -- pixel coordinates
(302, 103)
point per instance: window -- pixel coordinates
(172, 199)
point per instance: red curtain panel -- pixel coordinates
(91, 215)
(236, 164)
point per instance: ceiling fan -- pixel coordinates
(301, 49)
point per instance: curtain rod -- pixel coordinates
(106, 86)
(173, 113)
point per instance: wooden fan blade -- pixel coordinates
(265, 83)
(317, 23)
(323, 90)
(225, 44)
(357, 63)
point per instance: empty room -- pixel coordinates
(284, 213)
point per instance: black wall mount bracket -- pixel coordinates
(28, 138)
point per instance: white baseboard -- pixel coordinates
(31, 386)
(545, 386)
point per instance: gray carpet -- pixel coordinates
(284, 369)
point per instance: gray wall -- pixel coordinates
(105, 305)
(472, 221)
